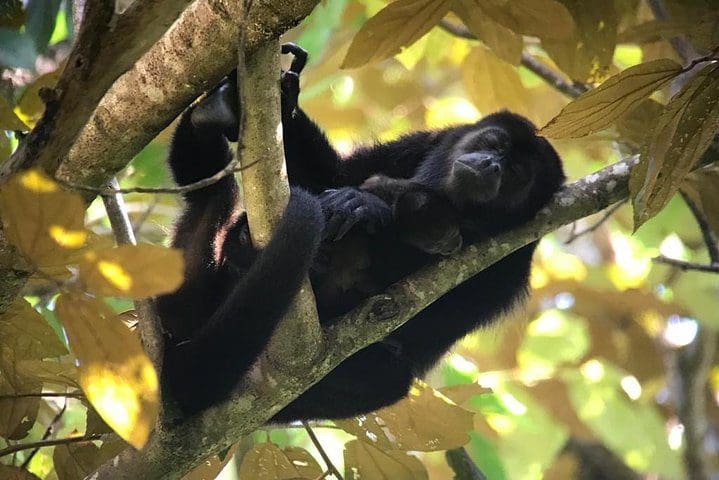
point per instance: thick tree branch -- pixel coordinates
(149, 324)
(107, 46)
(192, 56)
(174, 449)
(265, 194)
(195, 53)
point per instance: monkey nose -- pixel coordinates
(482, 163)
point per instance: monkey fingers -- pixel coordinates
(348, 206)
(298, 63)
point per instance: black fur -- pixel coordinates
(391, 208)
(233, 294)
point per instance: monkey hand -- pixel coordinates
(349, 206)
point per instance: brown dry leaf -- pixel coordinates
(493, 84)
(505, 43)
(460, 394)
(587, 54)
(424, 421)
(75, 461)
(30, 106)
(132, 270)
(117, 377)
(546, 19)
(398, 25)
(8, 119)
(16, 473)
(17, 415)
(265, 461)
(680, 137)
(632, 126)
(43, 221)
(599, 108)
(47, 371)
(211, 466)
(363, 461)
(703, 188)
(303, 461)
(24, 337)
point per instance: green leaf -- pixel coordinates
(398, 25)
(529, 439)
(633, 430)
(319, 26)
(683, 133)
(598, 108)
(364, 461)
(703, 188)
(485, 455)
(551, 340)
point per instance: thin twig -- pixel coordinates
(462, 465)
(554, 79)
(150, 327)
(49, 443)
(607, 213)
(711, 241)
(46, 435)
(325, 458)
(140, 221)
(43, 395)
(683, 265)
(231, 168)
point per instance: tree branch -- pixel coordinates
(191, 57)
(554, 79)
(149, 323)
(462, 465)
(49, 443)
(174, 449)
(331, 469)
(265, 194)
(106, 47)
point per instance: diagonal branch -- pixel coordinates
(107, 46)
(175, 449)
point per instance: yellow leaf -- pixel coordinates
(24, 332)
(115, 374)
(8, 119)
(493, 84)
(423, 421)
(546, 19)
(398, 25)
(132, 270)
(30, 107)
(587, 54)
(598, 108)
(265, 461)
(680, 137)
(44, 222)
(364, 461)
(505, 43)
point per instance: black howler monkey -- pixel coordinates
(395, 206)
